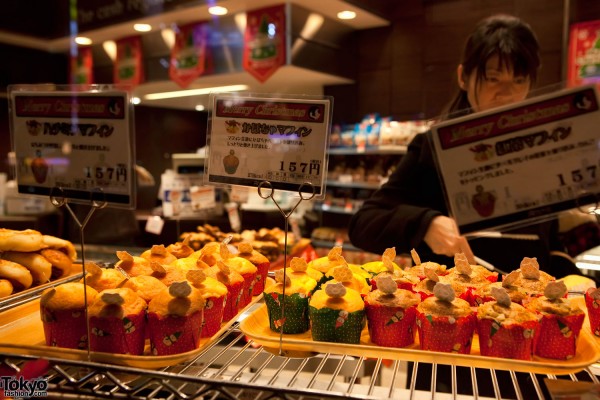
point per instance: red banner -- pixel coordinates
(264, 42)
(128, 67)
(583, 64)
(81, 67)
(188, 54)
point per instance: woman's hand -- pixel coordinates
(443, 237)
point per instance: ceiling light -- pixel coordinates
(199, 107)
(110, 47)
(168, 35)
(217, 10)
(194, 92)
(346, 14)
(136, 100)
(142, 27)
(84, 41)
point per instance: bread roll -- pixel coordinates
(18, 275)
(26, 240)
(63, 245)
(61, 263)
(6, 288)
(38, 266)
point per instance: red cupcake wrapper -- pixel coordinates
(213, 316)
(174, 335)
(557, 336)
(119, 336)
(247, 288)
(506, 341)
(391, 326)
(65, 328)
(446, 334)
(262, 270)
(593, 309)
(232, 301)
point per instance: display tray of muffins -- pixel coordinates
(152, 310)
(464, 319)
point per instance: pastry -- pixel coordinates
(158, 253)
(38, 266)
(102, 278)
(214, 294)
(146, 286)
(261, 263)
(18, 275)
(133, 265)
(61, 263)
(234, 283)
(27, 240)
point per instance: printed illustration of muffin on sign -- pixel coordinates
(231, 162)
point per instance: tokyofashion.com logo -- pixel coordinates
(21, 387)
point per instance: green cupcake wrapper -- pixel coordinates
(296, 312)
(339, 326)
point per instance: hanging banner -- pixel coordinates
(81, 66)
(583, 65)
(264, 42)
(521, 163)
(282, 140)
(188, 54)
(128, 67)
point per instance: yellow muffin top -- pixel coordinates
(133, 265)
(69, 295)
(333, 259)
(167, 273)
(419, 270)
(400, 298)
(103, 278)
(515, 293)
(210, 287)
(440, 308)
(513, 314)
(180, 299)
(375, 267)
(145, 285)
(246, 251)
(158, 253)
(313, 273)
(351, 301)
(228, 277)
(561, 306)
(240, 265)
(299, 283)
(118, 303)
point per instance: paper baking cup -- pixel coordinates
(119, 336)
(174, 334)
(557, 336)
(593, 309)
(262, 270)
(295, 307)
(446, 334)
(247, 289)
(232, 301)
(506, 341)
(65, 328)
(391, 326)
(213, 316)
(339, 326)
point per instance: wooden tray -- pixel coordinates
(22, 332)
(256, 327)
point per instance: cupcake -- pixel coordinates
(146, 286)
(214, 294)
(62, 310)
(299, 269)
(424, 288)
(189, 263)
(175, 319)
(515, 293)
(445, 322)
(181, 249)
(233, 282)
(166, 273)
(324, 264)
(117, 320)
(391, 314)
(261, 263)
(560, 323)
(506, 329)
(133, 265)
(532, 280)
(592, 303)
(418, 269)
(102, 278)
(376, 267)
(343, 274)
(158, 253)
(466, 278)
(336, 314)
(243, 267)
(403, 279)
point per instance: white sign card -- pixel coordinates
(258, 138)
(74, 142)
(185, 195)
(523, 162)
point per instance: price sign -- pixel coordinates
(281, 140)
(73, 143)
(523, 162)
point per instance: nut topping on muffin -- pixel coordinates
(298, 264)
(444, 292)
(180, 289)
(389, 253)
(342, 273)
(112, 298)
(595, 294)
(386, 284)
(195, 276)
(555, 290)
(510, 279)
(501, 296)
(158, 268)
(281, 277)
(462, 264)
(224, 251)
(388, 263)
(415, 257)
(430, 274)
(530, 268)
(336, 290)
(245, 248)
(334, 253)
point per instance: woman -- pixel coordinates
(499, 66)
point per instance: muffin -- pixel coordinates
(560, 323)
(158, 253)
(515, 293)
(117, 320)
(343, 274)
(376, 267)
(299, 268)
(146, 286)
(102, 278)
(532, 280)
(336, 314)
(592, 303)
(391, 314)
(424, 288)
(418, 269)
(214, 294)
(175, 319)
(243, 267)
(287, 300)
(186, 264)
(403, 279)
(506, 329)
(261, 263)
(133, 265)
(233, 282)
(324, 264)
(466, 278)
(445, 322)
(62, 310)
(181, 249)
(166, 273)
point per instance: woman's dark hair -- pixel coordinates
(505, 36)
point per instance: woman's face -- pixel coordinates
(497, 88)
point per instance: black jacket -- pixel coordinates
(398, 215)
